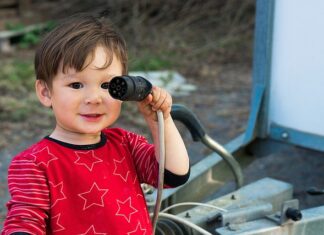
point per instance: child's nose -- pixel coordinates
(94, 97)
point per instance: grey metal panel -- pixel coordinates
(311, 224)
(260, 192)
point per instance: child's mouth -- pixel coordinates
(92, 117)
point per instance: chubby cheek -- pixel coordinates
(67, 102)
(62, 116)
(113, 108)
(65, 105)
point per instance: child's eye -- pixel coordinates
(76, 85)
(105, 85)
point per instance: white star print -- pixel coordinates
(56, 225)
(135, 179)
(139, 195)
(87, 159)
(126, 206)
(45, 162)
(124, 141)
(119, 166)
(93, 197)
(138, 229)
(92, 230)
(62, 196)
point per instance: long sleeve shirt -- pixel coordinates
(61, 188)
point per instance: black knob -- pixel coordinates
(294, 214)
(315, 191)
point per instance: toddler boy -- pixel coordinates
(84, 178)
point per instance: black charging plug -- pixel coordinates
(129, 88)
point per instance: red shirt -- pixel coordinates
(60, 188)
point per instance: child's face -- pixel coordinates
(80, 100)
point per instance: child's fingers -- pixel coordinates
(147, 100)
(164, 103)
(158, 104)
(160, 99)
(145, 105)
(156, 92)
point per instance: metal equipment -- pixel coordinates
(287, 109)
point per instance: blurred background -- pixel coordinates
(209, 43)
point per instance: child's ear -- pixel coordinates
(43, 93)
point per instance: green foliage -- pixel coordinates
(13, 109)
(16, 76)
(30, 38)
(14, 26)
(149, 62)
(16, 87)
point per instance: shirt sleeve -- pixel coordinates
(144, 159)
(173, 180)
(146, 165)
(29, 205)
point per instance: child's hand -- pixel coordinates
(159, 99)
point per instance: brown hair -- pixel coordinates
(71, 42)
